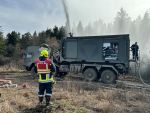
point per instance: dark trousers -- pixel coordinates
(135, 55)
(45, 87)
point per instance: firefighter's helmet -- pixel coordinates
(44, 53)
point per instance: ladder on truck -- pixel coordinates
(134, 64)
(137, 65)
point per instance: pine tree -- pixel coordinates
(122, 22)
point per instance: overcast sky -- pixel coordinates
(31, 15)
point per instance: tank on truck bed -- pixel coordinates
(97, 57)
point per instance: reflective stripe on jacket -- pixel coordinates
(48, 78)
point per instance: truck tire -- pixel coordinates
(108, 77)
(90, 74)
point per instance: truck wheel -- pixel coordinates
(108, 77)
(90, 74)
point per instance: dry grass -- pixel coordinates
(73, 98)
(14, 100)
(12, 67)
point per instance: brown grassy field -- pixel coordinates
(71, 98)
(11, 67)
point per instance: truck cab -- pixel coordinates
(31, 53)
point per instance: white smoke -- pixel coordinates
(68, 30)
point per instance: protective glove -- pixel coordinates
(27, 68)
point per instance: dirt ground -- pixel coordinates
(69, 97)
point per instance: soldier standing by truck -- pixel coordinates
(135, 49)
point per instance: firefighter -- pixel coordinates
(135, 49)
(45, 69)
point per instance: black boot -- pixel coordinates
(40, 100)
(47, 100)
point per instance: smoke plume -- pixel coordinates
(67, 16)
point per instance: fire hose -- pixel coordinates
(140, 75)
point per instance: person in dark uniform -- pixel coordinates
(135, 49)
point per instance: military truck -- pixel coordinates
(97, 57)
(31, 53)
